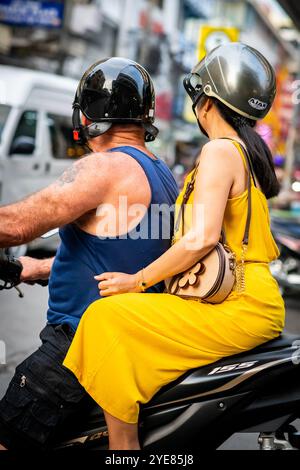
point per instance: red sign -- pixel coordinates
(164, 105)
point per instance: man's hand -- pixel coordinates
(35, 269)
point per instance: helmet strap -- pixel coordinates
(194, 110)
(97, 128)
(195, 95)
(151, 132)
(79, 134)
(82, 134)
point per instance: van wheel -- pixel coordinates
(17, 251)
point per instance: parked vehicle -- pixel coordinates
(36, 143)
(286, 270)
(257, 391)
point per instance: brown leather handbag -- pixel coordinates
(213, 277)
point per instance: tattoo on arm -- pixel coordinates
(70, 175)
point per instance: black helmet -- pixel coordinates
(114, 90)
(238, 76)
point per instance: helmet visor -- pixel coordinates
(193, 86)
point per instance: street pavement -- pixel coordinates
(21, 321)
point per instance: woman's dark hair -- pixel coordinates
(261, 156)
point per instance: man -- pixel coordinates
(103, 206)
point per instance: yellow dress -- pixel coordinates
(128, 346)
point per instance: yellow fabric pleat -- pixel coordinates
(128, 346)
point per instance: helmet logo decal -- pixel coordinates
(257, 104)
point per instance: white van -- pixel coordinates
(36, 142)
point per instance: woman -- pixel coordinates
(128, 346)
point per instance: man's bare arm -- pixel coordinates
(78, 190)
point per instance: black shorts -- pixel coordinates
(41, 395)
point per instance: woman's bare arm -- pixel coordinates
(213, 184)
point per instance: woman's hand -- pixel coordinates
(118, 283)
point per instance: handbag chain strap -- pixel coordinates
(240, 269)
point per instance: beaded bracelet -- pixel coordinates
(143, 284)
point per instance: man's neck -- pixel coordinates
(118, 137)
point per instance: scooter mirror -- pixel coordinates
(49, 234)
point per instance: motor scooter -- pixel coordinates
(257, 391)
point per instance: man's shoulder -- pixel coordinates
(107, 161)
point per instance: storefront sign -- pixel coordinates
(213, 36)
(209, 37)
(31, 13)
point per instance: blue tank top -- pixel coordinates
(81, 256)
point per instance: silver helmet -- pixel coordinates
(238, 76)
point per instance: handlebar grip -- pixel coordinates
(10, 270)
(42, 282)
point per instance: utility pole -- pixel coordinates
(124, 28)
(64, 36)
(145, 42)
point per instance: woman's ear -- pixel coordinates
(208, 105)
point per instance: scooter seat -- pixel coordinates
(283, 341)
(193, 382)
(204, 379)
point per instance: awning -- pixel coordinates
(292, 7)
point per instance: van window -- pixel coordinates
(4, 112)
(23, 142)
(61, 133)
